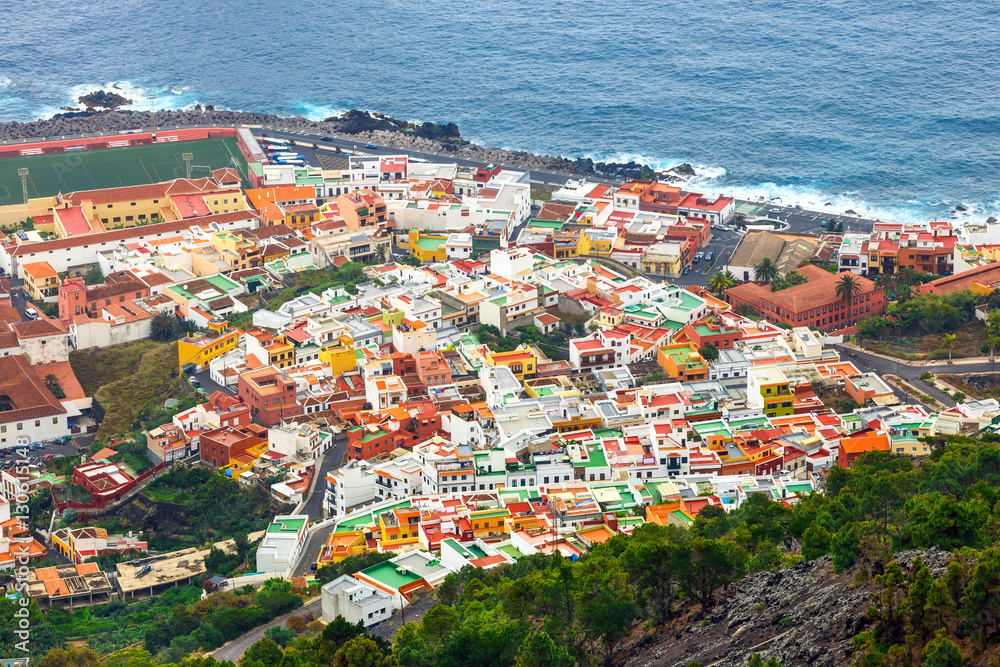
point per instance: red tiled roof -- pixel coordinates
(103, 238)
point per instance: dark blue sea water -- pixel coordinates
(889, 107)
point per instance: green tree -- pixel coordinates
(439, 623)
(448, 590)
(709, 352)
(93, 276)
(362, 652)
(756, 660)
(279, 635)
(410, 648)
(795, 278)
(945, 522)
(161, 327)
(52, 383)
(917, 597)
(74, 657)
(720, 282)
(607, 617)
(765, 271)
(712, 564)
(538, 650)
(942, 652)
(847, 287)
(948, 341)
(982, 595)
(265, 651)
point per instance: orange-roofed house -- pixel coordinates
(341, 545)
(853, 447)
(293, 207)
(41, 281)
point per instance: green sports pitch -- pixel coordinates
(103, 168)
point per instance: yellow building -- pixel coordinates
(400, 529)
(91, 211)
(277, 351)
(610, 317)
(770, 388)
(576, 417)
(521, 362)
(237, 251)
(200, 348)
(596, 242)
(489, 524)
(342, 545)
(41, 281)
(244, 462)
(342, 357)
(427, 248)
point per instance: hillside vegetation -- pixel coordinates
(816, 583)
(130, 382)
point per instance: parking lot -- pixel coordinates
(10, 455)
(723, 242)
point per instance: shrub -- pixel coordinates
(926, 375)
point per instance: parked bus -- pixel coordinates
(274, 142)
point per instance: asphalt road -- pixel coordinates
(870, 362)
(802, 221)
(235, 649)
(722, 245)
(314, 509)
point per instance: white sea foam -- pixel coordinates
(5, 82)
(317, 112)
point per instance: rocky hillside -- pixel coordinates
(804, 615)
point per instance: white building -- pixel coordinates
(305, 442)
(282, 543)
(350, 486)
(357, 601)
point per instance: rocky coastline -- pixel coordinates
(85, 122)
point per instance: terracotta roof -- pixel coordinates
(38, 328)
(22, 387)
(179, 186)
(820, 290)
(27, 249)
(39, 269)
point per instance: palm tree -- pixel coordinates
(729, 276)
(795, 278)
(162, 327)
(848, 287)
(885, 282)
(908, 276)
(949, 342)
(52, 382)
(719, 283)
(766, 271)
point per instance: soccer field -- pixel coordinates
(115, 167)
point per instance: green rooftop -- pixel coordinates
(430, 243)
(287, 526)
(596, 457)
(511, 551)
(391, 575)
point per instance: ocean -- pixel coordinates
(887, 107)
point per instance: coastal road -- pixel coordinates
(235, 649)
(871, 362)
(353, 146)
(802, 221)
